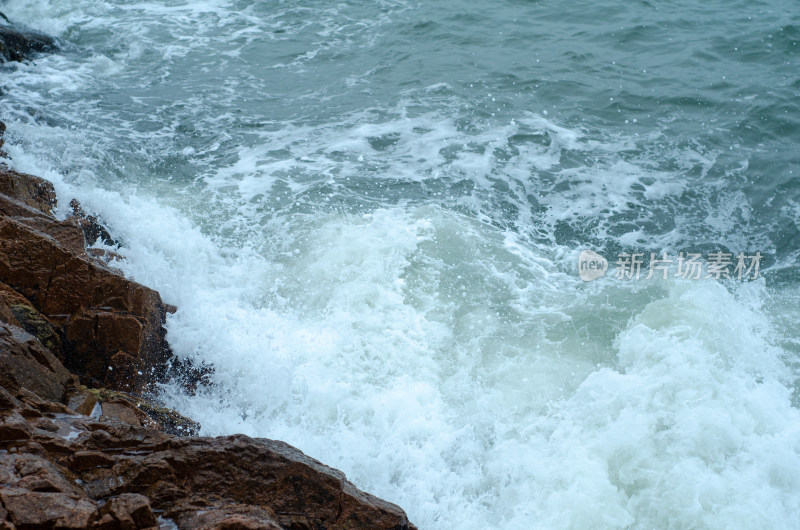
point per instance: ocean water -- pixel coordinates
(370, 213)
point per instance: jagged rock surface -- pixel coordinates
(78, 457)
(59, 469)
(110, 328)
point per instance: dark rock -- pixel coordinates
(36, 406)
(93, 229)
(86, 460)
(17, 44)
(25, 363)
(222, 516)
(25, 316)
(130, 511)
(38, 326)
(81, 302)
(9, 297)
(81, 400)
(189, 374)
(59, 282)
(167, 420)
(66, 470)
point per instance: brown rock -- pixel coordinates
(28, 509)
(140, 411)
(63, 467)
(109, 312)
(83, 460)
(198, 515)
(39, 405)
(107, 258)
(38, 267)
(35, 473)
(6, 314)
(81, 401)
(121, 412)
(102, 345)
(25, 363)
(14, 432)
(63, 292)
(131, 511)
(60, 469)
(67, 232)
(34, 191)
(106, 522)
(8, 403)
(17, 208)
(263, 473)
(17, 310)
(123, 372)
(58, 282)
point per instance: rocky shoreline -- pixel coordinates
(74, 456)
(81, 446)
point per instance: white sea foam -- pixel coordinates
(451, 369)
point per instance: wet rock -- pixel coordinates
(9, 297)
(62, 470)
(189, 374)
(29, 212)
(199, 514)
(27, 509)
(130, 511)
(25, 363)
(77, 457)
(37, 406)
(133, 410)
(93, 229)
(35, 192)
(3, 154)
(35, 473)
(25, 316)
(37, 325)
(79, 471)
(105, 346)
(79, 307)
(59, 282)
(18, 44)
(69, 295)
(82, 401)
(99, 311)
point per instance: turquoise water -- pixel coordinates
(370, 216)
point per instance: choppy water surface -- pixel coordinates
(369, 215)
